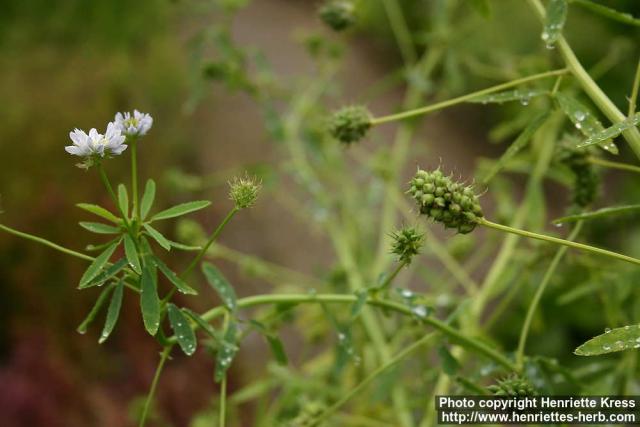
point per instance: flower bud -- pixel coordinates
(444, 200)
(406, 244)
(244, 191)
(350, 124)
(338, 14)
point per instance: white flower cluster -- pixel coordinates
(95, 145)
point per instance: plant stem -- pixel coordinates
(388, 280)
(212, 238)
(154, 384)
(443, 327)
(400, 30)
(533, 306)
(558, 241)
(114, 198)
(223, 383)
(134, 177)
(463, 98)
(634, 92)
(371, 377)
(592, 89)
(46, 243)
(613, 165)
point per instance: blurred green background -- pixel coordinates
(74, 63)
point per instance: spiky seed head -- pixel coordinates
(514, 386)
(350, 124)
(586, 182)
(406, 243)
(244, 191)
(444, 200)
(338, 14)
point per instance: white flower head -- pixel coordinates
(136, 124)
(96, 145)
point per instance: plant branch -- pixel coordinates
(154, 384)
(46, 243)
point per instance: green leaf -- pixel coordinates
(182, 329)
(96, 227)
(123, 199)
(100, 211)
(612, 131)
(614, 340)
(181, 209)
(158, 237)
(524, 96)
(554, 21)
(147, 198)
(220, 285)
(625, 18)
(102, 298)
(450, 364)
(611, 210)
(276, 346)
(583, 119)
(149, 301)
(106, 274)
(113, 312)
(180, 284)
(96, 266)
(204, 325)
(521, 142)
(184, 247)
(131, 253)
(226, 352)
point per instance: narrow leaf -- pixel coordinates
(149, 301)
(611, 210)
(158, 237)
(612, 131)
(220, 285)
(113, 312)
(521, 142)
(147, 198)
(184, 247)
(625, 18)
(614, 340)
(276, 346)
(521, 95)
(100, 211)
(181, 209)
(204, 325)
(97, 265)
(180, 284)
(96, 227)
(106, 274)
(554, 21)
(123, 199)
(226, 352)
(131, 253)
(182, 329)
(584, 120)
(102, 298)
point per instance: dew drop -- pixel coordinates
(626, 328)
(420, 311)
(580, 116)
(545, 36)
(619, 345)
(606, 347)
(607, 330)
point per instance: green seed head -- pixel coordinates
(586, 183)
(444, 200)
(514, 386)
(350, 124)
(338, 14)
(406, 244)
(244, 191)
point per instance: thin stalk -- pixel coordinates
(134, 177)
(112, 194)
(634, 92)
(46, 243)
(613, 165)
(223, 383)
(590, 87)
(441, 326)
(558, 241)
(448, 103)
(400, 30)
(154, 384)
(533, 306)
(371, 377)
(391, 277)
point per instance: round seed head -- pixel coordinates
(514, 386)
(406, 243)
(350, 124)
(244, 191)
(338, 14)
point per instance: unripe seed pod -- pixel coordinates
(406, 244)
(350, 124)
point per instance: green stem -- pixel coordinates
(441, 105)
(223, 383)
(441, 326)
(46, 243)
(212, 238)
(392, 276)
(558, 241)
(154, 384)
(591, 88)
(634, 92)
(371, 377)
(400, 30)
(112, 194)
(613, 165)
(134, 177)
(533, 306)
